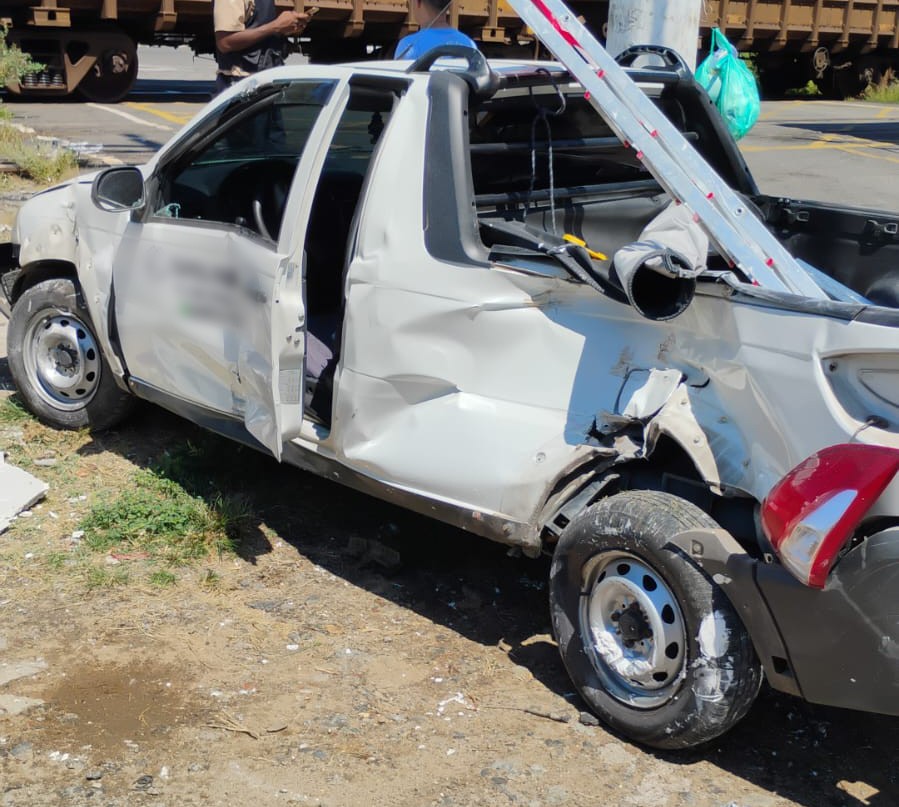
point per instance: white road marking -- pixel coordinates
(132, 118)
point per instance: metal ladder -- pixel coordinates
(734, 229)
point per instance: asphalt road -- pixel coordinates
(172, 85)
(835, 151)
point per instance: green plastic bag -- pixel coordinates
(731, 85)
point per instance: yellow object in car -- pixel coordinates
(573, 239)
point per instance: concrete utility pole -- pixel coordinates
(674, 23)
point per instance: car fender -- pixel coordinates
(46, 228)
(683, 407)
(55, 238)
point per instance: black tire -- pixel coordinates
(49, 320)
(113, 76)
(700, 687)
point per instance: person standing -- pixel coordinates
(432, 17)
(250, 35)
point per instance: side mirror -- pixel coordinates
(118, 189)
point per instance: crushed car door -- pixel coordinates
(208, 285)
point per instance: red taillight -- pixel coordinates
(810, 514)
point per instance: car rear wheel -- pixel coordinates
(56, 362)
(652, 644)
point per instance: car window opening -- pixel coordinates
(242, 176)
(544, 115)
(329, 236)
(555, 165)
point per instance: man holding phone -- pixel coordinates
(250, 35)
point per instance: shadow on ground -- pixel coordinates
(143, 90)
(171, 89)
(810, 755)
(6, 382)
(882, 132)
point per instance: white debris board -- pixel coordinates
(18, 491)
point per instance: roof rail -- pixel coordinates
(478, 74)
(671, 58)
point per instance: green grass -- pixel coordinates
(162, 579)
(56, 560)
(157, 516)
(98, 577)
(11, 412)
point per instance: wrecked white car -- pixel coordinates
(458, 290)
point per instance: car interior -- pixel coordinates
(335, 208)
(544, 157)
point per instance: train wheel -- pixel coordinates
(112, 77)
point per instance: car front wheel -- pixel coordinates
(56, 362)
(653, 645)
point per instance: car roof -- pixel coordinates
(508, 70)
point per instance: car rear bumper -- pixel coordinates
(843, 642)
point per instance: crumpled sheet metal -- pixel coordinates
(18, 491)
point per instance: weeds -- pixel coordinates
(36, 160)
(159, 517)
(810, 90)
(45, 163)
(98, 577)
(13, 62)
(11, 412)
(885, 91)
(56, 560)
(209, 579)
(162, 579)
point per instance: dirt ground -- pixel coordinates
(349, 654)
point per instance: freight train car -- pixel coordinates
(91, 45)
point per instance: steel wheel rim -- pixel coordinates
(632, 629)
(61, 355)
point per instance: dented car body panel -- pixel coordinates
(487, 387)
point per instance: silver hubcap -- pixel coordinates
(61, 355)
(633, 630)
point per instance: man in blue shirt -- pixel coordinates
(433, 18)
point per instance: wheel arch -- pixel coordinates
(668, 466)
(55, 357)
(728, 555)
(38, 271)
(58, 269)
